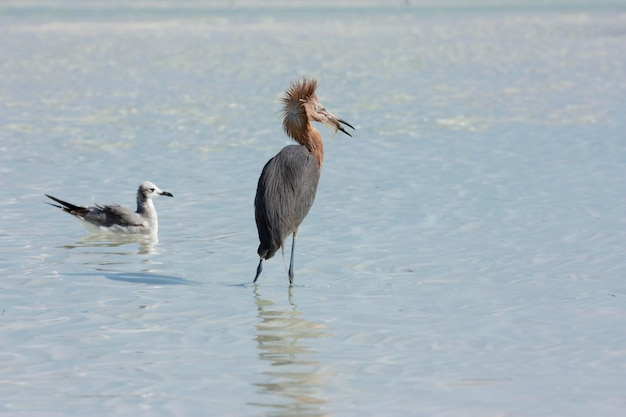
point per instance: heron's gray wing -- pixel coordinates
(285, 193)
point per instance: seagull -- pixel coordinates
(117, 219)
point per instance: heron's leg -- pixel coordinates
(258, 269)
(293, 245)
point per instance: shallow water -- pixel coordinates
(464, 256)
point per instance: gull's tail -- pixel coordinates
(67, 207)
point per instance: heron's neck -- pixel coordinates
(312, 140)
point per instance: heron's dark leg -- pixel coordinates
(258, 269)
(293, 244)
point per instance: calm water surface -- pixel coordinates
(465, 255)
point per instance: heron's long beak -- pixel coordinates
(341, 121)
(335, 122)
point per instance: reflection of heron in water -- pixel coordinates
(294, 383)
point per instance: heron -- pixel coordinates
(288, 182)
(117, 219)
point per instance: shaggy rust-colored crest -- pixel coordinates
(295, 119)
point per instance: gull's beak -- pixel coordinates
(167, 193)
(335, 122)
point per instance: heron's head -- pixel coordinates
(300, 105)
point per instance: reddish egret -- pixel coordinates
(289, 180)
(117, 219)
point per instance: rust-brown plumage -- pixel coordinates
(288, 183)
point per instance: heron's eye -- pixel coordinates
(318, 107)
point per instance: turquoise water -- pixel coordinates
(465, 254)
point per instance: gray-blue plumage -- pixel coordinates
(284, 196)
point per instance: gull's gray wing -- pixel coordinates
(113, 215)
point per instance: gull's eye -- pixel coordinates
(151, 190)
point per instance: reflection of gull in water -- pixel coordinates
(115, 218)
(147, 243)
(293, 384)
